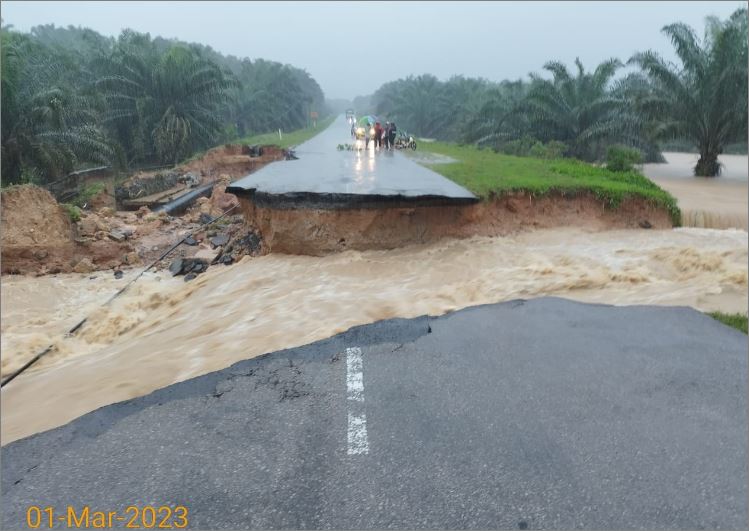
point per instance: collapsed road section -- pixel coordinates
(361, 199)
(334, 200)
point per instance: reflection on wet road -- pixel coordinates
(323, 169)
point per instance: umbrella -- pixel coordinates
(367, 120)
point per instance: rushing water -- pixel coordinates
(164, 330)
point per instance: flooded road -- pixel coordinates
(164, 330)
(711, 202)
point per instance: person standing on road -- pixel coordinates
(386, 135)
(391, 134)
(377, 135)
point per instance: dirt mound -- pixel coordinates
(234, 160)
(318, 232)
(32, 217)
(36, 232)
(38, 236)
(102, 200)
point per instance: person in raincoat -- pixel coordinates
(367, 135)
(377, 135)
(391, 135)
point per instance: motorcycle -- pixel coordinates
(405, 141)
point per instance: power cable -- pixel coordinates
(73, 330)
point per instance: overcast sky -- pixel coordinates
(351, 48)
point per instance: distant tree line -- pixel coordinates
(702, 101)
(72, 97)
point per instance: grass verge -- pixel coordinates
(292, 138)
(486, 173)
(739, 321)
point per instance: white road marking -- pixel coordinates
(354, 377)
(358, 442)
(357, 434)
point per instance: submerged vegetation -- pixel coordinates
(702, 101)
(71, 96)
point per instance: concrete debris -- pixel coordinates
(207, 254)
(183, 266)
(117, 236)
(219, 240)
(176, 266)
(248, 245)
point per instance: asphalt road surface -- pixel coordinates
(537, 414)
(345, 176)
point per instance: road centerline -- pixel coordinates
(358, 442)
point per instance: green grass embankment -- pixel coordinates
(486, 174)
(739, 321)
(292, 138)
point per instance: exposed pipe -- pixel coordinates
(180, 204)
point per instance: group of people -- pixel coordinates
(382, 136)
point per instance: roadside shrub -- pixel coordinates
(74, 213)
(550, 150)
(619, 158)
(528, 146)
(520, 147)
(736, 320)
(85, 195)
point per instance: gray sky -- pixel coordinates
(351, 48)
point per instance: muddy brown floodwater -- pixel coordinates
(164, 330)
(711, 202)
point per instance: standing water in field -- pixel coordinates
(164, 330)
(709, 202)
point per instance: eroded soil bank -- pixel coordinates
(316, 231)
(39, 238)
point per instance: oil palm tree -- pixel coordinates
(164, 106)
(48, 125)
(270, 97)
(463, 99)
(704, 101)
(581, 110)
(498, 119)
(420, 105)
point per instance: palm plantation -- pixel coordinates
(703, 101)
(579, 110)
(71, 97)
(162, 107)
(49, 124)
(706, 101)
